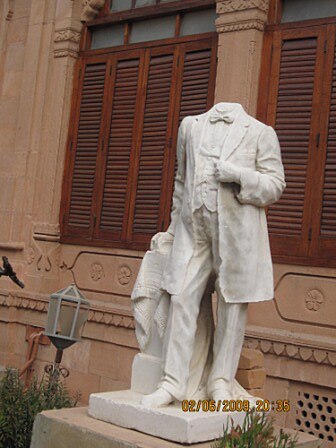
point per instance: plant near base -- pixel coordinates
(19, 406)
(257, 431)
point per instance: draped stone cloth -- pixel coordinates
(150, 306)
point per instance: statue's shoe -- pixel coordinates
(157, 399)
(222, 394)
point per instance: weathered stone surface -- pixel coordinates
(72, 428)
(251, 359)
(251, 379)
(170, 422)
(257, 392)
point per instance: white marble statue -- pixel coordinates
(229, 170)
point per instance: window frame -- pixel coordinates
(89, 237)
(275, 13)
(105, 17)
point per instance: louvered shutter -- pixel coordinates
(295, 68)
(121, 170)
(186, 90)
(327, 230)
(84, 144)
(114, 199)
(195, 86)
(196, 93)
(154, 142)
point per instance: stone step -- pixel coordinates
(72, 428)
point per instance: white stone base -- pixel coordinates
(146, 373)
(123, 408)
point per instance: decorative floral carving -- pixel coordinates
(124, 275)
(314, 300)
(96, 272)
(227, 6)
(91, 8)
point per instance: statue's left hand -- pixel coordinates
(227, 172)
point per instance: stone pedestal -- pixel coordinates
(123, 408)
(70, 428)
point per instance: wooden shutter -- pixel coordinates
(324, 246)
(174, 90)
(122, 169)
(156, 132)
(197, 79)
(195, 87)
(80, 171)
(116, 179)
(295, 87)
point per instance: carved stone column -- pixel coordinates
(240, 25)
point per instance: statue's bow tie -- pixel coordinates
(226, 117)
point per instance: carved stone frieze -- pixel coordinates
(66, 42)
(19, 300)
(227, 6)
(90, 9)
(43, 251)
(67, 34)
(306, 298)
(38, 302)
(101, 272)
(240, 26)
(295, 351)
(46, 232)
(241, 15)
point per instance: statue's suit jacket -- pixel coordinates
(245, 273)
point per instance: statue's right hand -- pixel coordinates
(159, 239)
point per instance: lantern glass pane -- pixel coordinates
(82, 318)
(66, 318)
(52, 315)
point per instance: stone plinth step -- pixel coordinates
(73, 428)
(123, 408)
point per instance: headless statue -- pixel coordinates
(229, 170)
